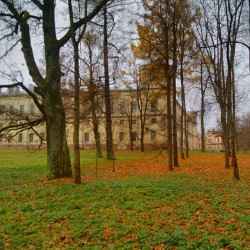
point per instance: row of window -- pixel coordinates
(153, 108)
(122, 108)
(21, 109)
(214, 147)
(20, 138)
(86, 137)
(153, 121)
(122, 136)
(32, 109)
(210, 140)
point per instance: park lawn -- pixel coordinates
(141, 205)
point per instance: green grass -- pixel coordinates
(140, 212)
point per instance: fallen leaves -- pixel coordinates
(141, 204)
(207, 164)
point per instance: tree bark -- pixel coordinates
(183, 102)
(202, 87)
(48, 87)
(169, 122)
(77, 166)
(57, 150)
(93, 91)
(174, 31)
(109, 136)
(58, 153)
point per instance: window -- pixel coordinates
(32, 109)
(122, 108)
(134, 107)
(134, 136)
(86, 136)
(31, 137)
(20, 137)
(1, 110)
(133, 121)
(153, 120)
(153, 136)
(121, 136)
(21, 109)
(153, 107)
(9, 139)
(11, 109)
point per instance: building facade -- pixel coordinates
(130, 112)
(213, 141)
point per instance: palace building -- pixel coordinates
(131, 109)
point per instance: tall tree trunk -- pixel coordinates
(77, 165)
(202, 125)
(57, 150)
(58, 153)
(231, 105)
(202, 111)
(96, 134)
(109, 136)
(169, 123)
(225, 134)
(130, 127)
(182, 104)
(175, 146)
(168, 77)
(92, 93)
(142, 138)
(141, 92)
(174, 31)
(95, 123)
(186, 122)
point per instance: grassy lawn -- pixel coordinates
(140, 206)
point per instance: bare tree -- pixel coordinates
(109, 135)
(90, 40)
(220, 48)
(19, 15)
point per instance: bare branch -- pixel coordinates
(81, 22)
(30, 93)
(20, 127)
(9, 49)
(38, 4)
(218, 44)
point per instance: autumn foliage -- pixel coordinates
(142, 205)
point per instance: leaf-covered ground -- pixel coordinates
(141, 205)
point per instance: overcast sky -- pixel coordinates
(15, 60)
